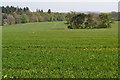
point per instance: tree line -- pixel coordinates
(89, 20)
(15, 15)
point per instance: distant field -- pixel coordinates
(50, 50)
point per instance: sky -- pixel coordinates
(65, 5)
(59, 1)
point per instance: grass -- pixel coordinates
(0, 52)
(50, 50)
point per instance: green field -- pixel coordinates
(50, 50)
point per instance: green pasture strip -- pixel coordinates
(0, 52)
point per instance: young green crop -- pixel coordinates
(50, 50)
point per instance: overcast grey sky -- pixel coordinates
(67, 6)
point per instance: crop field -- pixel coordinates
(50, 50)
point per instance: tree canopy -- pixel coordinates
(83, 21)
(74, 20)
(24, 15)
(25, 18)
